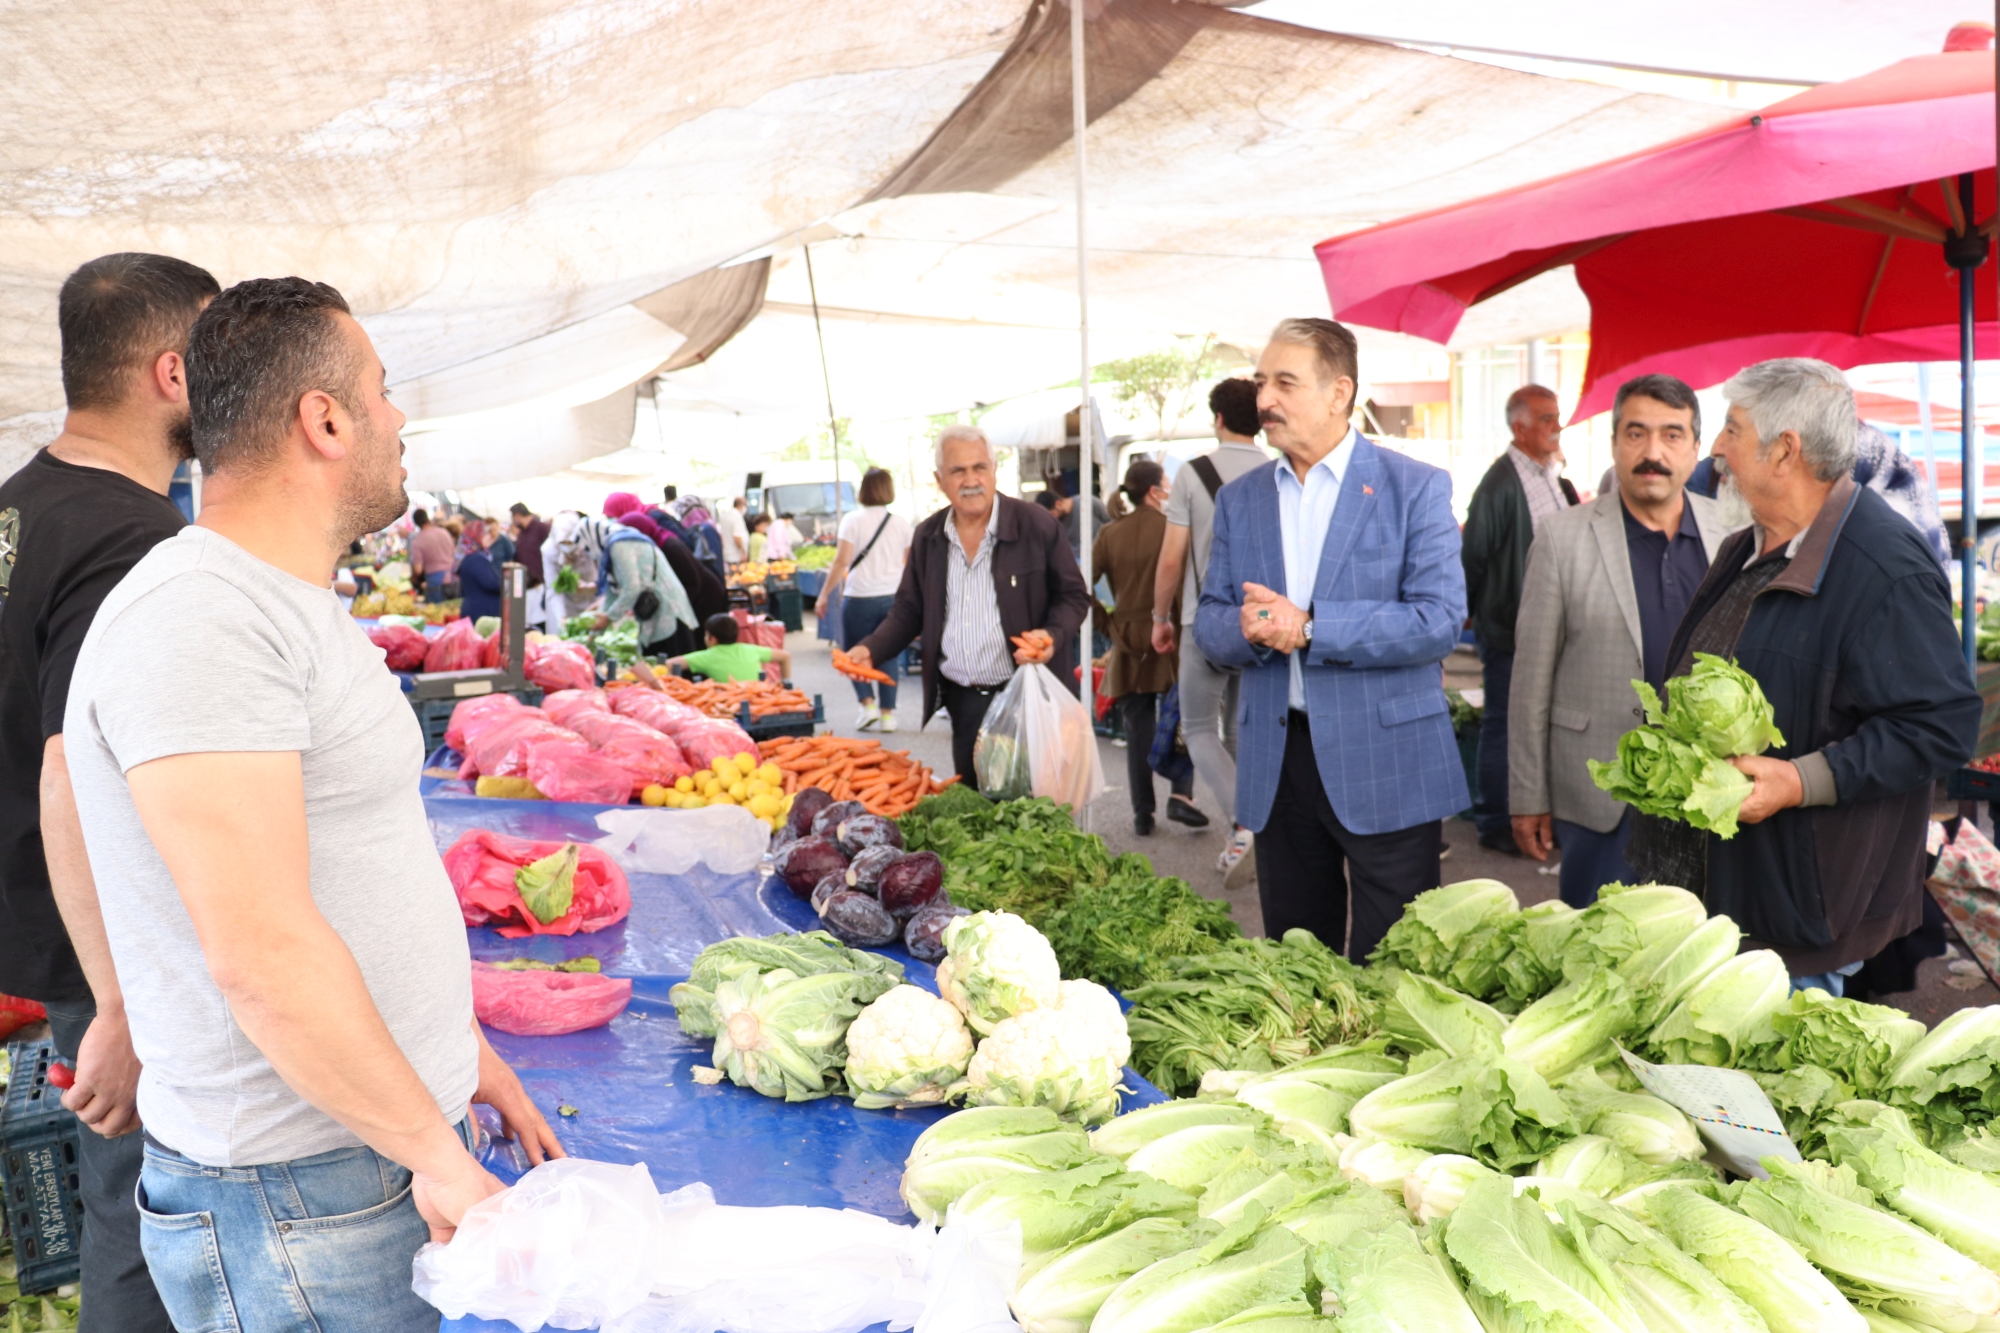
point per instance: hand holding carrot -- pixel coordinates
(860, 665)
(1037, 645)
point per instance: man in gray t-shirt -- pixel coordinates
(1207, 693)
(291, 952)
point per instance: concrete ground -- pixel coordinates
(1190, 854)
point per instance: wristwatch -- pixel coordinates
(1306, 630)
(1159, 619)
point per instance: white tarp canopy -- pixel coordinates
(535, 207)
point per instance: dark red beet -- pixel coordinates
(923, 936)
(807, 862)
(865, 871)
(914, 881)
(855, 918)
(864, 831)
(808, 802)
(826, 888)
(781, 838)
(828, 821)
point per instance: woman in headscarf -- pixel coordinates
(706, 593)
(478, 576)
(620, 503)
(634, 579)
(568, 546)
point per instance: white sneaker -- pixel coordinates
(888, 721)
(1236, 862)
(868, 717)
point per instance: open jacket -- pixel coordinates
(1127, 553)
(1499, 528)
(1854, 645)
(1035, 580)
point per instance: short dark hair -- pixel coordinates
(1339, 354)
(759, 519)
(1661, 389)
(877, 487)
(673, 493)
(258, 347)
(119, 312)
(721, 627)
(1235, 401)
(419, 517)
(519, 510)
(1140, 477)
(1047, 497)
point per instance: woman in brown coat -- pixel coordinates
(1126, 554)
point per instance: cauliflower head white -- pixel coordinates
(1091, 1004)
(998, 966)
(908, 1048)
(1058, 1058)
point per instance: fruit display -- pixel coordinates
(730, 780)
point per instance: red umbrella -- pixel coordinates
(1842, 223)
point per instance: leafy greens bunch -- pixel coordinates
(1677, 765)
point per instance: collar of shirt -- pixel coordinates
(1687, 528)
(1305, 512)
(958, 543)
(1791, 547)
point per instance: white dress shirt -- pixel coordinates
(974, 650)
(1305, 512)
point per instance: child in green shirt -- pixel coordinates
(725, 658)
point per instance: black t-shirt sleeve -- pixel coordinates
(73, 606)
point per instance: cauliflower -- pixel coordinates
(999, 966)
(1067, 1058)
(907, 1049)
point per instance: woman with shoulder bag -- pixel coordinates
(871, 576)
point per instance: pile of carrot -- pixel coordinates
(718, 698)
(887, 782)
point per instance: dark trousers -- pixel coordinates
(117, 1291)
(1304, 849)
(1141, 713)
(1489, 813)
(859, 618)
(1590, 859)
(967, 705)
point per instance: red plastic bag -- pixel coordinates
(570, 771)
(655, 709)
(703, 742)
(561, 666)
(501, 750)
(489, 651)
(564, 704)
(459, 648)
(482, 865)
(474, 716)
(404, 647)
(16, 1013)
(648, 755)
(535, 1003)
(763, 632)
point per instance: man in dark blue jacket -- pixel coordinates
(1833, 602)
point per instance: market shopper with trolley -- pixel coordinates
(291, 951)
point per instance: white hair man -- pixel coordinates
(983, 571)
(1831, 600)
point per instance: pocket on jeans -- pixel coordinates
(186, 1265)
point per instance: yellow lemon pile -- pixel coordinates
(730, 780)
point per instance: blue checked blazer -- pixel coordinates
(1386, 609)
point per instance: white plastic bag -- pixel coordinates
(657, 841)
(581, 1244)
(1037, 741)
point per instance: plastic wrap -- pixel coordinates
(648, 755)
(502, 749)
(1037, 741)
(536, 1003)
(726, 838)
(474, 716)
(482, 863)
(560, 666)
(459, 648)
(565, 704)
(403, 647)
(572, 771)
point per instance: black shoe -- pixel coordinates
(1183, 812)
(1142, 825)
(1501, 843)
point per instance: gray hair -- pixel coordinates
(1332, 344)
(1807, 397)
(1517, 401)
(961, 431)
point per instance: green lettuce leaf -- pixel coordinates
(1719, 707)
(548, 886)
(1753, 1261)
(1570, 1025)
(1063, 1294)
(1958, 1205)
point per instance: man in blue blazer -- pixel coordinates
(1335, 585)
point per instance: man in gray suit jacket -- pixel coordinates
(1607, 584)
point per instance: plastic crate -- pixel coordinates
(784, 724)
(785, 605)
(1972, 784)
(434, 715)
(39, 1145)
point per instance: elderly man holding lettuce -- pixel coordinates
(1832, 602)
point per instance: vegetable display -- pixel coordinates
(1676, 766)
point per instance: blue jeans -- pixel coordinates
(434, 585)
(859, 618)
(1590, 860)
(1490, 812)
(1834, 983)
(307, 1246)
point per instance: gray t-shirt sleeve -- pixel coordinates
(1178, 512)
(210, 675)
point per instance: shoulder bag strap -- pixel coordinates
(880, 529)
(1211, 481)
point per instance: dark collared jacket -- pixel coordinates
(1035, 580)
(1854, 645)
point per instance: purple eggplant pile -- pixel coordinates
(851, 866)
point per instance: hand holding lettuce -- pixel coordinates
(1677, 765)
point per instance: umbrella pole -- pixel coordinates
(1965, 250)
(1086, 438)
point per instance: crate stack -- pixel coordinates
(39, 1142)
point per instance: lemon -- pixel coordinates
(683, 784)
(746, 764)
(724, 766)
(772, 774)
(738, 791)
(692, 802)
(764, 806)
(654, 794)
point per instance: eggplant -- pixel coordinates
(913, 881)
(826, 888)
(808, 861)
(865, 871)
(923, 934)
(864, 830)
(856, 918)
(807, 803)
(826, 824)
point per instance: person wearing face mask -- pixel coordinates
(1606, 585)
(983, 571)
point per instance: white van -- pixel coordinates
(806, 492)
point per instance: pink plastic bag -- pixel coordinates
(482, 863)
(703, 742)
(763, 632)
(563, 704)
(501, 750)
(560, 666)
(459, 648)
(404, 647)
(473, 716)
(648, 755)
(655, 709)
(570, 771)
(546, 1004)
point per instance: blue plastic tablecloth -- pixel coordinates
(629, 1084)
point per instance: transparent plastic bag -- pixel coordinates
(534, 1003)
(727, 838)
(1037, 741)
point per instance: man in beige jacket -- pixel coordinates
(1606, 586)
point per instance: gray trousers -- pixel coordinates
(1208, 720)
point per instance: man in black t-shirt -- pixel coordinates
(73, 521)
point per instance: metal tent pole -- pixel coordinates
(1085, 437)
(826, 381)
(1965, 250)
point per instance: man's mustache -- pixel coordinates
(1270, 419)
(1646, 467)
(968, 492)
